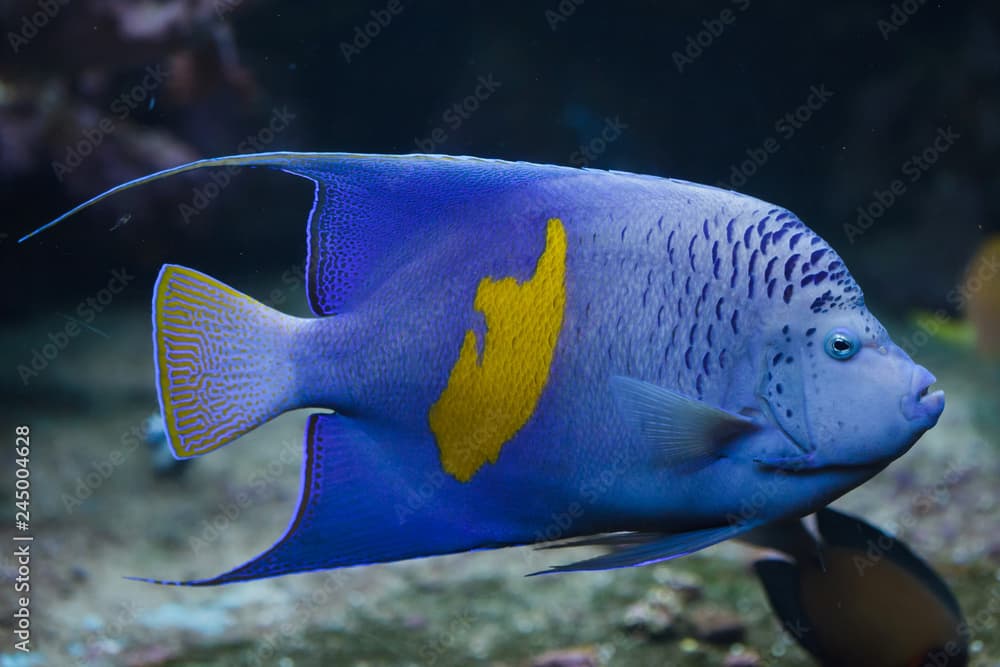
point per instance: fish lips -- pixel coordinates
(920, 404)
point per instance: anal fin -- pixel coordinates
(357, 508)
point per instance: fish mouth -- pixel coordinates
(920, 403)
(925, 398)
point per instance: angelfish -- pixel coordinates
(666, 361)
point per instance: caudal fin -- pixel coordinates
(223, 360)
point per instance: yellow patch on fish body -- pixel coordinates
(487, 401)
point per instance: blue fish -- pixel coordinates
(516, 353)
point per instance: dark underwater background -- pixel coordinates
(877, 123)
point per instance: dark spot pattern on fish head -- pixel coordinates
(798, 265)
(738, 270)
(779, 295)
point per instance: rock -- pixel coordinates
(686, 584)
(653, 621)
(717, 626)
(571, 657)
(149, 656)
(743, 659)
(656, 616)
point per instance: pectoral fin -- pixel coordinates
(680, 429)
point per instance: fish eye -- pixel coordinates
(841, 344)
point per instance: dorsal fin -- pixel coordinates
(370, 215)
(371, 211)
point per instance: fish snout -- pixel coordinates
(919, 403)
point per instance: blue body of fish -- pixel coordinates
(504, 343)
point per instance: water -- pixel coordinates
(876, 124)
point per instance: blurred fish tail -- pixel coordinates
(868, 601)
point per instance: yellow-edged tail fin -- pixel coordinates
(223, 360)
